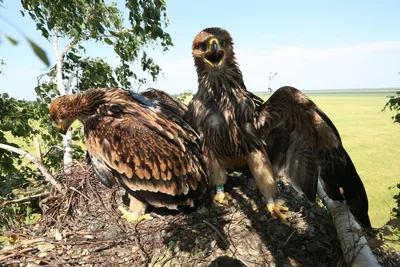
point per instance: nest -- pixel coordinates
(83, 227)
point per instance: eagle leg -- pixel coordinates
(218, 178)
(263, 174)
(136, 213)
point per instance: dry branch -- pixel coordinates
(38, 150)
(47, 175)
(354, 245)
(26, 199)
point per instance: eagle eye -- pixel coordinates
(222, 43)
(203, 46)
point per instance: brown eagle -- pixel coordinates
(288, 134)
(142, 145)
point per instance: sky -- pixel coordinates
(311, 44)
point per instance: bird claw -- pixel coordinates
(274, 208)
(220, 197)
(132, 216)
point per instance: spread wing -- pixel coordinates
(303, 144)
(146, 149)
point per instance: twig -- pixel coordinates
(26, 199)
(100, 248)
(47, 175)
(225, 241)
(13, 253)
(218, 232)
(143, 253)
(170, 258)
(51, 148)
(83, 168)
(21, 254)
(77, 191)
(287, 240)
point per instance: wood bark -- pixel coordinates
(67, 138)
(354, 245)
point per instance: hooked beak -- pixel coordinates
(63, 126)
(214, 55)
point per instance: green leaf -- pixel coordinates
(108, 41)
(39, 52)
(11, 40)
(50, 25)
(99, 27)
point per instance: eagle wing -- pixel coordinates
(146, 149)
(167, 102)
(303, 144)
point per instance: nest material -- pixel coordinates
(84, 228)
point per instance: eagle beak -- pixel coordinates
(214, 55)
(63, 126)
(214, 46)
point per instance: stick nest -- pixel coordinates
(83, 227)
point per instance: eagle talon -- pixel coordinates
(132, 216)
(220, 197)
(274, 208)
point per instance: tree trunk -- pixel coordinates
(67, 138)
(355, 247)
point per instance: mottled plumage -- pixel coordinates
(140, 144)
(287, 135)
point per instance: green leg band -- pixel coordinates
(220, 188)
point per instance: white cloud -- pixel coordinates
(355, 66)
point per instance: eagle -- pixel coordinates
(286, 135)
(138, 142)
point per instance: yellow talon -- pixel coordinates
(274, 208)
(220, 197)
(132, 216)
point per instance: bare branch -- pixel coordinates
(47, 175)
(38, 150)
(26, 199)
(65, 50)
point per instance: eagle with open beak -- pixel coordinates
(286, 135)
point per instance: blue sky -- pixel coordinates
(311, 44)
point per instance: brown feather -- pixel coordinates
(137, 142)
(236, 126)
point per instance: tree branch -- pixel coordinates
(71, 44)
(51, 148)
(38, 150)
(26, 199)
(354, 245)
(47, 175)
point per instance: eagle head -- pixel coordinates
(62, 112)
(212, 49)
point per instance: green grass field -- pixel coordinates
(372, 141)
(370, 138)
